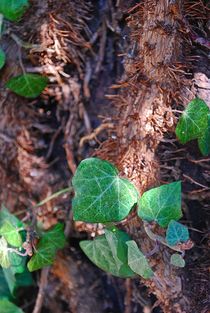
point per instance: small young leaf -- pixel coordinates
(176, 233)
(177, 260)
(204, 140)
(13, 9)
(109, 252)
(4, 255)
(2, 58)
(100, 194)
(9, 307)
(28, 85)
(11, 234)
(47, 247)
(161, 204)
(193, 121)
(137, 261)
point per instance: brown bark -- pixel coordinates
(155, 77)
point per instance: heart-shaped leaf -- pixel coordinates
(13, 10)
(204, 140)
(47, 247)
(137, 261)
(177, 260)
(100, 194)
(161, 204)
(2, 58)
(11, 234)
(109, 252)
(4, 255)
(193, 121)
(28, 85)
(176, 233)
(9, 307)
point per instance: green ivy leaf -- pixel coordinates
(176, 233)
(193, 121)
(100, 194)
(13, 10)
(5, 215)
(11, 234)
(109, 252)
(4, 255)
(137, 261)
(17, 274)
(161, 204)
(177, 260)
(4, 289)
(9, 307)
(2, 58)
(28, 85)
(204, 140)
(47, 247)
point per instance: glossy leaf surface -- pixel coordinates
(100, 194)
(161, 204)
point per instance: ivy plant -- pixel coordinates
(13, 10)
(195, 124)
(28, 85)
(102, 196)
(15, 239)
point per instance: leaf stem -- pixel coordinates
(54, 195)
(17, 252)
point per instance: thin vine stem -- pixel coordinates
(54, 195)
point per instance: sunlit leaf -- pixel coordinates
(204, 140)
(5, 215)
(13, 10)
(177, 260)
(109, 252)
(100, 194)
(47, 247)
(8, 307)
(4, 254)
(193, 121)
(161, 204)
(28, 85)
(176, 233)
(137, 261)
(11, 234)
(2, 58)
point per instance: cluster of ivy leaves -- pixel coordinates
(102, 196)
(195, 124)
(28, 85)
(15, 267)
